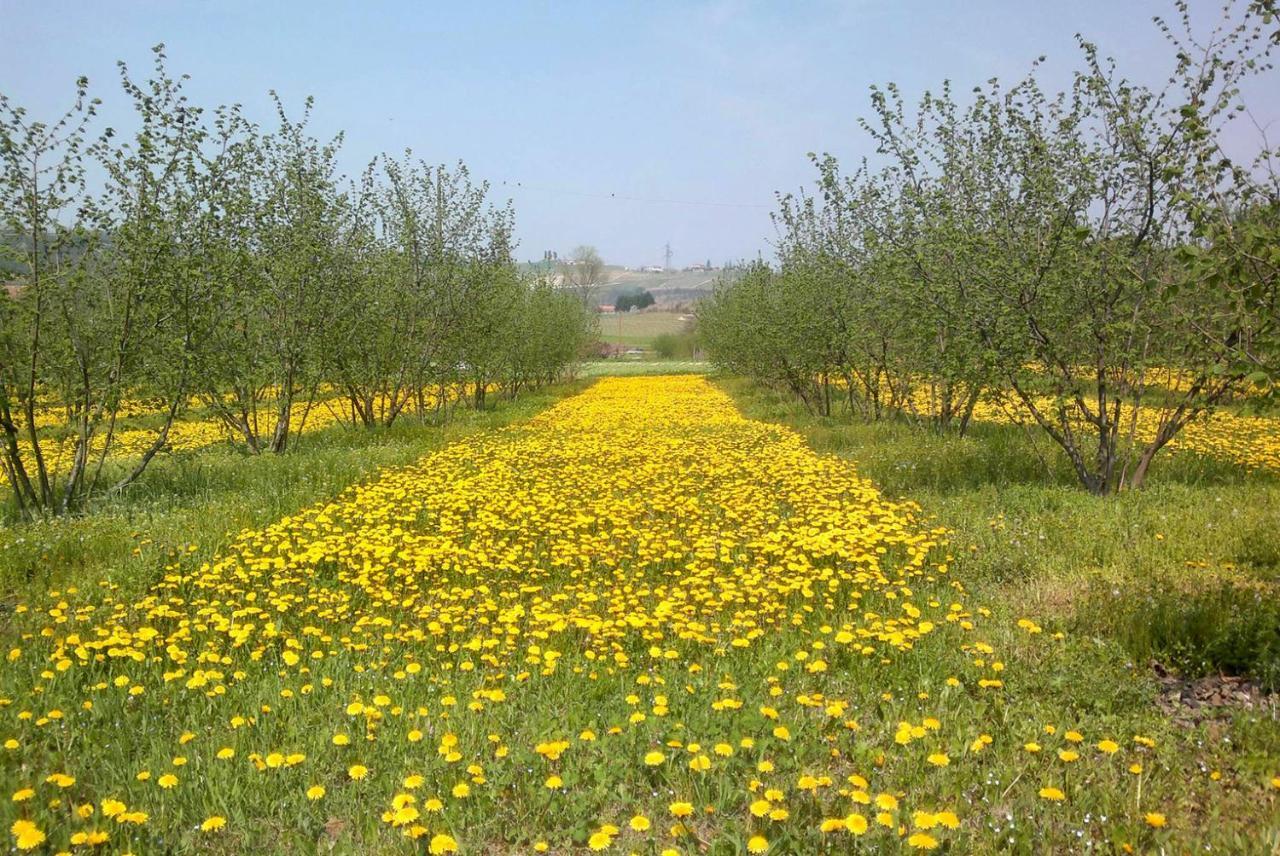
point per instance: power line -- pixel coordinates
(624, 197)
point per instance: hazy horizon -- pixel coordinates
(621, 127)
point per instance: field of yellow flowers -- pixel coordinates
(200, 428)
(639, 622)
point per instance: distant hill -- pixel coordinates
(675, 290)
(670, 289)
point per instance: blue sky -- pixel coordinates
(623, 125)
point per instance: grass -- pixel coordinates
(483, 602)
(640, 328)
(1024, 527)
(1185, 572)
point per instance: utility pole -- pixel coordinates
(667, 266)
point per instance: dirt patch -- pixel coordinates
(1193, 701)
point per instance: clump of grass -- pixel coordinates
(1260, 546)
(1227, 628)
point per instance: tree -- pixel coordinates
(41, 186)
(583, 273)
(1092, 254)
(238, 268)
(642, 299)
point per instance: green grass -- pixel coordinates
(1164, 573)
(1185, 572)
(1025, 528)
(640, 328)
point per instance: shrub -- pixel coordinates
(1230, 628)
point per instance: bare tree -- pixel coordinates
(583, 273)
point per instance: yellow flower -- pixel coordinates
(441, 844)
(315, 792)
(681, 809)
(213, 823)
(855, 823)
(887, 802)
(923, 841)
(938, 759)
(1110, 747)
(1052, 794)
(23, 794)
(758, 844)
(1155, 819)
(357, 771)
(639, 823)
(599, 841)
(26, 835)
(654, 758)
(168, 780)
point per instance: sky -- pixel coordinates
(626, 126)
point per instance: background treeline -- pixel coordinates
(1092, 258)
(222, 265)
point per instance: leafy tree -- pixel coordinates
(1093, 254)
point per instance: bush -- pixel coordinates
(672, 345)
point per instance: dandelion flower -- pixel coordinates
(26, 835)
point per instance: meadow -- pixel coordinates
(953, 525)
(637, 621)
(640, 328)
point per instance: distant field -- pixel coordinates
(603, 368)
(640, 328)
